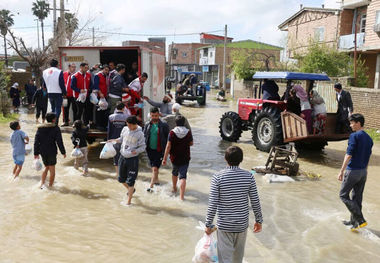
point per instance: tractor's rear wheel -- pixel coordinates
(230, 126)
(267, 129)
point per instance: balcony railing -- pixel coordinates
(352, 4)
(348, 41)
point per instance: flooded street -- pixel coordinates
(83, 219)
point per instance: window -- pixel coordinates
(184, 54)
(377, 21)
(319, 34)
(363, 20)
(210, 54)
(205, 52)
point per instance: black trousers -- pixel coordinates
(353, 183)
(39, 111)
(85, 111)
(66, 110)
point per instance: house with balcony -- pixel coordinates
(360, 19)
(356, 19)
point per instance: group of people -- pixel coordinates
(311, 106)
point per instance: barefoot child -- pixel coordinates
(180, 140)
(78, 137)
(132, 144)
(18, 140)
(48, 136)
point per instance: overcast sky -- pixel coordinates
(246, 19)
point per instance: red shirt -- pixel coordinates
(67, 78)
(103, 87)
(82, 82)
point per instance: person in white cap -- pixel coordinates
(165, 106)
(14, 93)
(170, 118)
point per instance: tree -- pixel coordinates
(41, 11)
(36, 58)
(246, 62)
(321, 58)
(72, 24)
(6, 21)
(4, 100)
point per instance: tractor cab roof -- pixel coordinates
(290, 75)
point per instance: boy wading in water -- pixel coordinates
(18, 140)
(48, 136)
(180, 140)
(353, 173)
(132, 144)
(230, 190)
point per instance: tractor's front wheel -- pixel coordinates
(230, 127)
(267, 129)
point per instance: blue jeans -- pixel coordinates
(56, 100)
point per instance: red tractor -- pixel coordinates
(269, 121)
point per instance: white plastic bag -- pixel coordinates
(28, 149)
(108, 151)
(76, 153)
(82, 97)
(206, 249)
(37, 165)
(94, 98)
(103, 104)
(64, 103)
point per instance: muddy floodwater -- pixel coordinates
(83, 219)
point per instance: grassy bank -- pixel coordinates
(9, 118)
(374, 133)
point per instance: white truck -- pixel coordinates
(150, 61)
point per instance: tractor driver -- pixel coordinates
(270, 90)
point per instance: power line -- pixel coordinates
(151, 35)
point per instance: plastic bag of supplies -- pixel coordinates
(206, 249)
(94, 98)
(28, 149)
(103, 104)
(37, 165)
(82, 97)
(76, 153)
(108, 151)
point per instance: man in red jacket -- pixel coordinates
(100, 84)
(70, 96)
(81, 83)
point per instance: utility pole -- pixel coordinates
(54, 18)
(93, 36)
(355, 52)
(62, 25)
(224, 57)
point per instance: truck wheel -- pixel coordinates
(202, 101)
(267, 130)
(230, 126)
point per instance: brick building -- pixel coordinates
(310, 24)
(337, 28)
(184, 57)
(157, 44)
(211, 57)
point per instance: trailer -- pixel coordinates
(150, 61)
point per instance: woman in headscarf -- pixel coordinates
(319, 112)
(305, 106)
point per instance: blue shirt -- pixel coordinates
(360, 148)
(18, 143)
